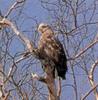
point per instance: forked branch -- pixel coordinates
(49, 80)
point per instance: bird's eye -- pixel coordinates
(44, 26)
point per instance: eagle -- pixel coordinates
(51, 52)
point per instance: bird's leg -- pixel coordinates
(59, 88)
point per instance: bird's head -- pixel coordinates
(43, 27)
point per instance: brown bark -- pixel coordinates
(49, 80)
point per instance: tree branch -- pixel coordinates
(91, 78)
(13, 7)
(5, 23)
(49, 80)
(93, 88)
(85, 49)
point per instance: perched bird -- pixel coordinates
(52, 52)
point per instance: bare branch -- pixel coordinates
(25, 40)
(84, 50)
(13, 7)
(93, 88)
(49, 80)
(91, 78)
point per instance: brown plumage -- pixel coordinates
(52, 52)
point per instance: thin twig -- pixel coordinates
(84, 97)
(84, 50)
(50, 82)
(13, 7)
(91, 78)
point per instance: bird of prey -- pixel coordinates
(52, 52)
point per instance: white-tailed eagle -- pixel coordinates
(52, 51)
